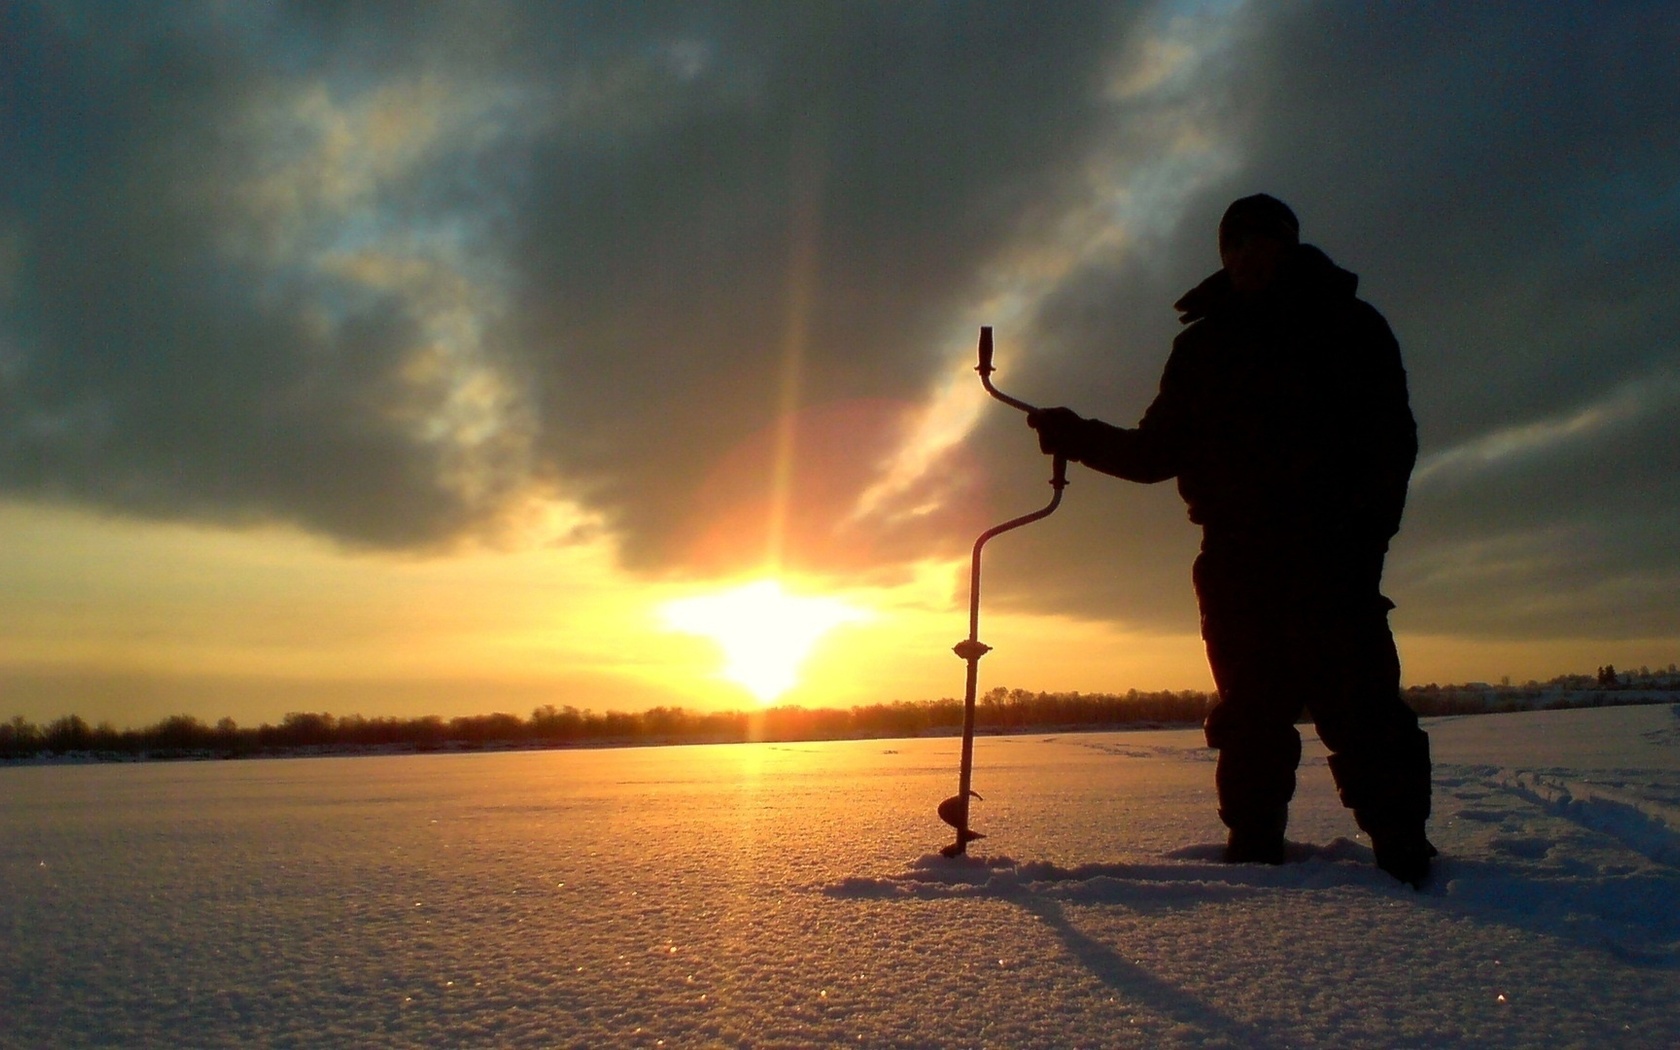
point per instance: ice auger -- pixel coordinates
(954, 810)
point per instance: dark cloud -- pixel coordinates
(870, 159)
(149, 363)
(385, 270)
(230, 276)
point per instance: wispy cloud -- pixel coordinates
(1499, 448)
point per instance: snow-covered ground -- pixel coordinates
(792, 895)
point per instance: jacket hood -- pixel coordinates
(1305, 272)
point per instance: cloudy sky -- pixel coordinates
(413, 358)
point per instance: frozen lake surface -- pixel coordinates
(792, 896)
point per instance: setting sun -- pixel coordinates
(764, 632)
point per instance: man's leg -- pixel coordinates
(1379, 755)
(1252, 655)
(1255, 779)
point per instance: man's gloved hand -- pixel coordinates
(1061, 431)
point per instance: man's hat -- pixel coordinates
(1261, 214)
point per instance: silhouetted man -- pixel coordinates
(1283, 414)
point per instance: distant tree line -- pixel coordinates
(1000, 710)
(1606, 687)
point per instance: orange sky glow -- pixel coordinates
(131, 623)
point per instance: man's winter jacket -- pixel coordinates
(1283, 415)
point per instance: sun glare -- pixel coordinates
(764, 632)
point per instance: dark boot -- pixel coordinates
(1404, 853)
(1255, 784)
(1249, 846)
(1387, 788)
(1256, 838)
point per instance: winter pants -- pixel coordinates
(1293, 630)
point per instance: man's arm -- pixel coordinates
(1392, 442)
(1148, 453)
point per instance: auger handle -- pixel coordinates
(985, 369)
